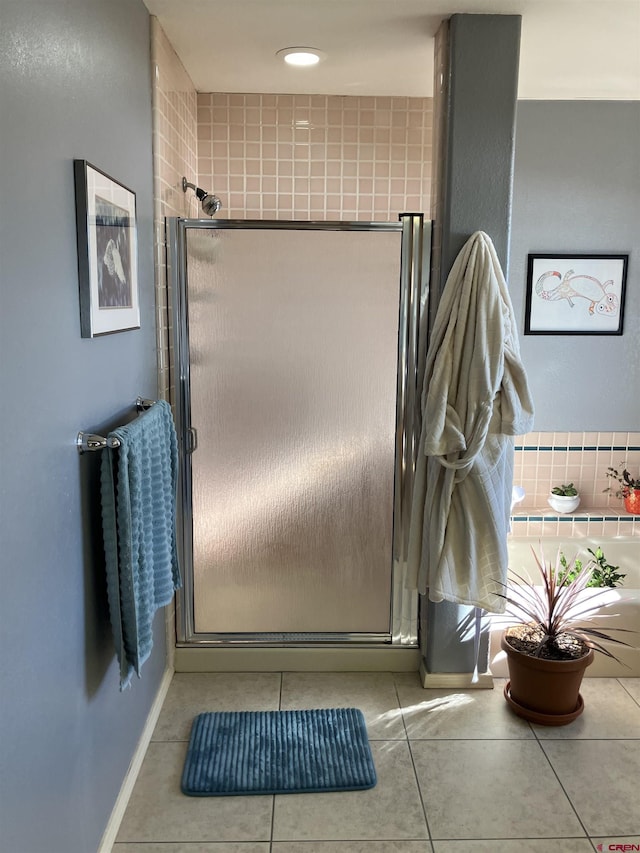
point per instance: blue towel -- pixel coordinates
(138, 489)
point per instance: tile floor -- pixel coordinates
(457, 773)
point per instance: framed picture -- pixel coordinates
(107, 253)
(575, 294)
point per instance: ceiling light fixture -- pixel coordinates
(302, 57)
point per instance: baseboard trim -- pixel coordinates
(126, 789)
(297, 660)
(455, 680)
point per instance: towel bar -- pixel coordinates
(89, 441)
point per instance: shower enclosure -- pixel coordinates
(295, 391)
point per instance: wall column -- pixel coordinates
(476, 71)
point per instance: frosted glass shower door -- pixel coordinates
(293, 348)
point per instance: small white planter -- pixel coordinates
(563, 503)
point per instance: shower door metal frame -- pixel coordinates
(413, 290)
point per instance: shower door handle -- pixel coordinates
(192, 440)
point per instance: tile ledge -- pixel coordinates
(584, 514)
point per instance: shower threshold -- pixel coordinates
(288, 638)
(316, 657)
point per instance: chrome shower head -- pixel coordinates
(210, 203)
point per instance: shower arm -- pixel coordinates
(200, 194)
(210, 203)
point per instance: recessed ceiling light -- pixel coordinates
(301, 56)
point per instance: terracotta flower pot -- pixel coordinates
(632, 502)
(545, 691)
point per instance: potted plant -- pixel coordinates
(550, 647)
(564, 498)
(628, 488)
(604, 574)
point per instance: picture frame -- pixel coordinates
(107, 253)
(575, 294)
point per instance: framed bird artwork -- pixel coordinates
(107, 253)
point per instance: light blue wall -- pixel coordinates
(577, 189)
(75, 83)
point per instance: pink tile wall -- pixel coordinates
(544, 460)
(315, 156)
(581, 458)
(174, 155)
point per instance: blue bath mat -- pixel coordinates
(278, 752)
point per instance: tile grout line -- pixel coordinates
(525, 838)
(518, 739)
(424, 808)
(273, 796)
(621, 683)
(553, 770)
(483, 739)
(404, 725)
(522, 840)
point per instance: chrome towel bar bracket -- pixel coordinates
(142, 405)
(89, 441)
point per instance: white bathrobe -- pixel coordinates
(475, 399)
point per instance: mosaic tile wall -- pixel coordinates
(315, 156)
(174, 156)
(546, 459)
